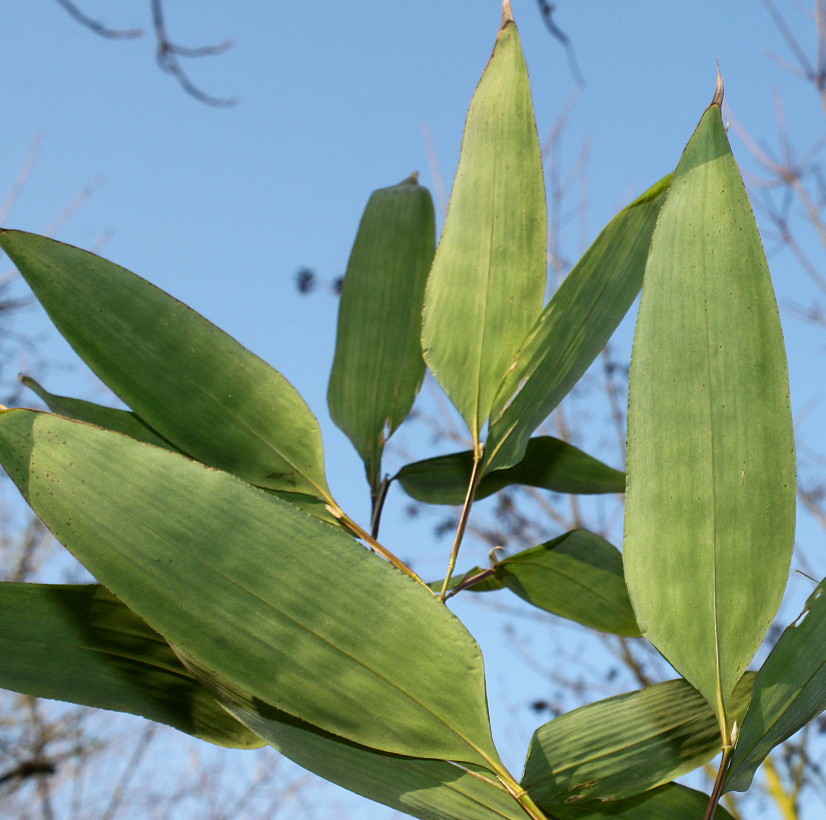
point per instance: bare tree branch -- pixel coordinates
(547, 9)
(97, 27)
(169, 52)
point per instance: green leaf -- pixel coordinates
(378, 365)
(549, 463)
(789, 691)
(668, 802)
(487, 283)
(189, 381)
(126, 422)
(577, 576)
(122, 421)
(256, 591)
(709, 517)
(81, 644)
(572, 330)
(624, 745)
(423, 788)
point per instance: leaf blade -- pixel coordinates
(378, 365)
(710, 497)
(549, 463)
(572, 329)
(176, 534)
(187, 379)
(81, 644)
(789, 691)
(487, 282)
(576, 576)
(424, 788)
(624, 745)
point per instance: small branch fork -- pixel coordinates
(168, 53)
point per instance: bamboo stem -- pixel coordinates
(718, 783)
(475, 475)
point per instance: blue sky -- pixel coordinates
(220, 207)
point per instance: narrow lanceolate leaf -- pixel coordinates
(573, 328)
(789, 691)
(122, 421)
(709, 517)
(81, 644)
(549, 463)
(186, 379)
(576, 576)
(257, 592)
(624, 745)
(486, 286)
(668, 802)
(419, 787)
(378, 366)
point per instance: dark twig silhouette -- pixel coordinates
(168, 53)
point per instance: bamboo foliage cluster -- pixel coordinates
(236, 599)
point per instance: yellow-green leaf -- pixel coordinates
(487, 283)
(709, 517)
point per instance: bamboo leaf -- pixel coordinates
(378, 365)
(789, 691)
(487, 283)
(577, 576)
(668, 802)
(186, 379)
(122, 421)
(81, 644)
(572, 329)
(308, 621)
(621, 746)
(549, 463)
(126, 422)
(419, 787)
(709, 519)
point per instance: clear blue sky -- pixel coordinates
(220, 207)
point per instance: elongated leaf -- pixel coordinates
(486, 286)
(577, 576)
(256, 591)
(709, 518)
(789, 691)
(572, 330)
(122, 421)
(624, 745)
(549, 463)
(81, 644)
(668, 802)
(126, 422)
(189, 381)
(428, 789)
(378, 366)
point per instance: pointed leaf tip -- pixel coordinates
(717, 99)
(507, 14)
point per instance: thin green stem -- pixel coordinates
(519, 794)
(374, 545)
(718, 783)
(475, 475)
